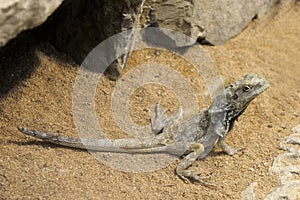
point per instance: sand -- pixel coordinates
(36, 92)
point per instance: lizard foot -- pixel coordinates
(195, 177)
(228, 149)
(233, 151)
(159, 118)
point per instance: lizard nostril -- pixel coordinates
(235, 96)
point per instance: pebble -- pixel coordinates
(156, 52)
(283, 126)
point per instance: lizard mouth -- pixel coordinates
(258, 87)
(263, 87)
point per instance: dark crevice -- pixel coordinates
(18, 60)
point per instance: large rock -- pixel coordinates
(214, 21)
(19, 15)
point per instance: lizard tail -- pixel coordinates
(128, 145)
(60, 140)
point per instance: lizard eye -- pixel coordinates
(246, 88)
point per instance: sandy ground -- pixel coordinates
(36, 92)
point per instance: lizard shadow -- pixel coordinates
(18, 60)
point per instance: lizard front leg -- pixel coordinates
(160, 119)
(181, 170)
(226, 148)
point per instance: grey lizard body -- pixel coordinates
(194, 138)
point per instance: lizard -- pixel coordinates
(191, 139)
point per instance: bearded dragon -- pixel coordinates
(191, 139)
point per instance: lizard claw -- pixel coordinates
(227, 149)
(185, 179)
(203, 181)
(195, 177)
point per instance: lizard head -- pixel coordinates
(241, 92)
(233, 100)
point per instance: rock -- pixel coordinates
(17, 15)
(80, 25)
(267, 6)
(289, 190)
(287, 165)
(213, 21)
(248, 193)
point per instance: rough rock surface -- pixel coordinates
(17, 15)
(215, 21)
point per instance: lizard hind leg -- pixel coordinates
(187, 175)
